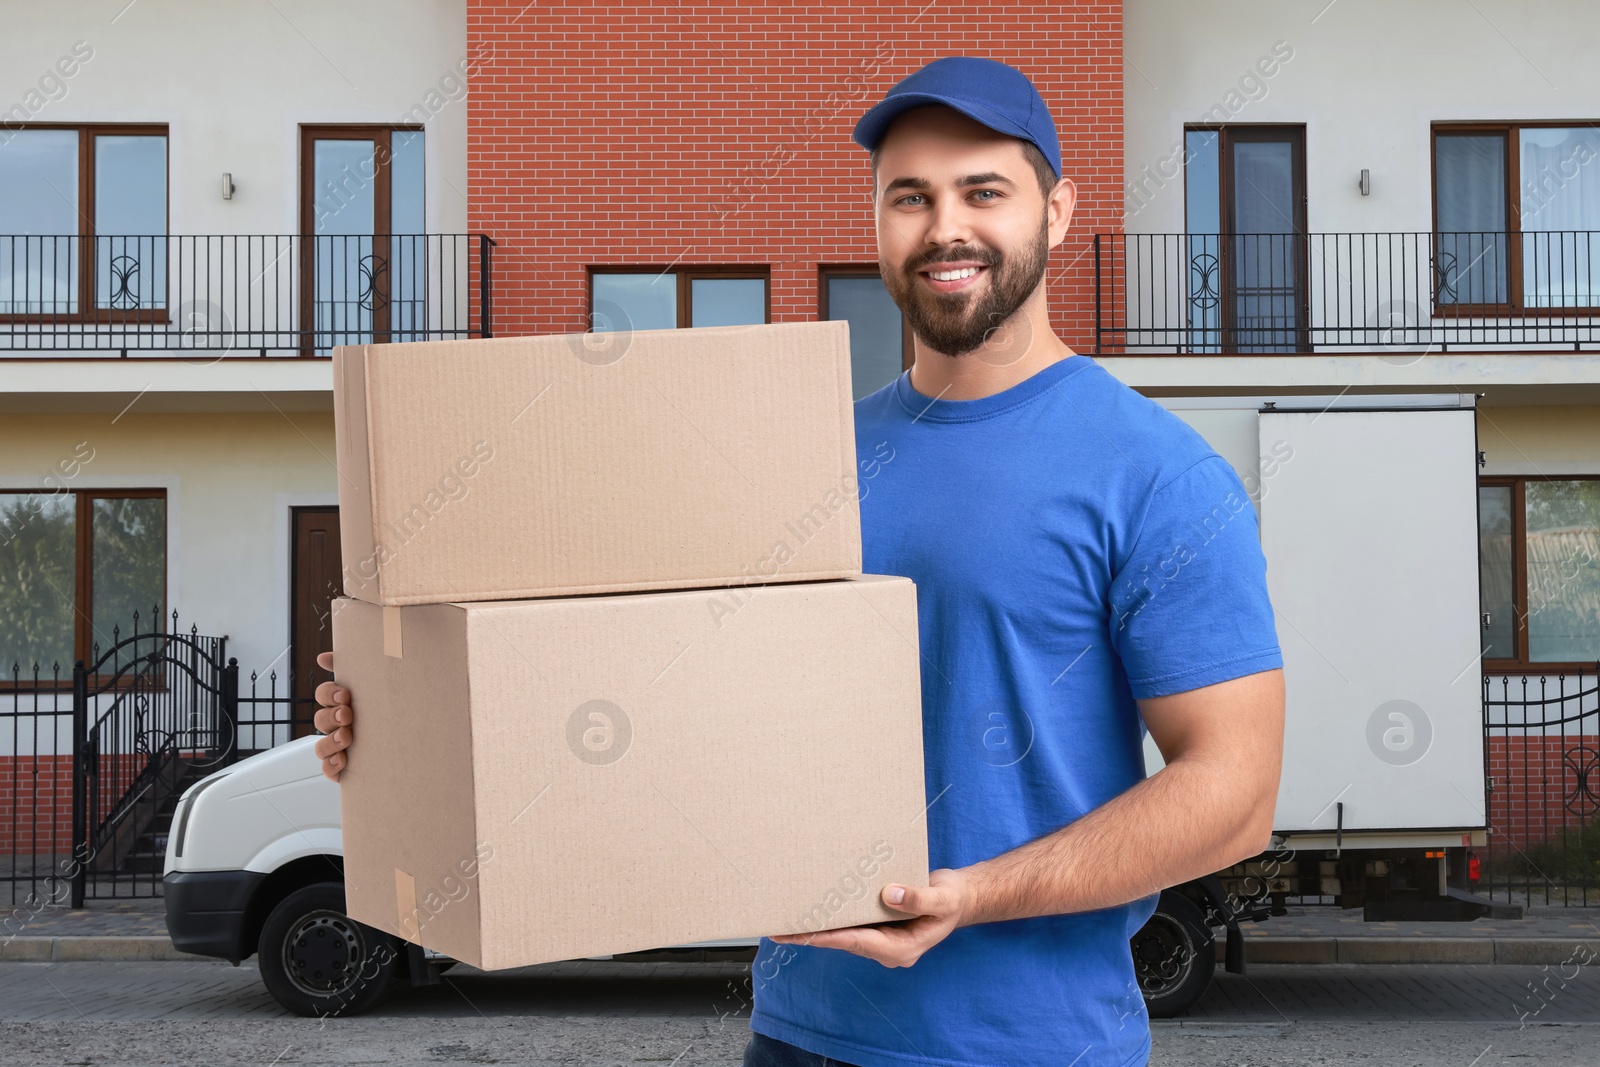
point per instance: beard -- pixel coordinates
(956, 323)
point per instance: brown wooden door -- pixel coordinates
(314, 580)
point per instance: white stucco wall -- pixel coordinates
(1551, 440)
(1366, 78)
(233, 83)
(230, 480)
(1366, 81)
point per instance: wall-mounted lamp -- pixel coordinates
(1366, 182)
(227, 185)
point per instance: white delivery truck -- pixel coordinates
(1369, 521)
(1368, 511)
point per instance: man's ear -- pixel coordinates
(1058, 210)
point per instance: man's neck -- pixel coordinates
(1014, 354)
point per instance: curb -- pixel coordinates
(91, 949)
(1481, 950)
(1522, 951)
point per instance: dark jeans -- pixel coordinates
(764, 1051)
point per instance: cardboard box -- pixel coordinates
(589, 463)
(540, 780)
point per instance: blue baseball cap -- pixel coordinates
(985, 90)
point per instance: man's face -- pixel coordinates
(963, 230)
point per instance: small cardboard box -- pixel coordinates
(589, 463)
(540, 780)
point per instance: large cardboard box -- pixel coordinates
(549, 779)
(587, 463)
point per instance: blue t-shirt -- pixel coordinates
(1075, 546)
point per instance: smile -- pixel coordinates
(952, 279)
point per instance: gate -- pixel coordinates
(1542, 748)
(98, 760)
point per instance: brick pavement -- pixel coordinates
(1273, 994)
(694, 1014)
(102, 918)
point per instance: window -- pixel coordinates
(880, 338)
(1516, 216)
(365, 259)
(1245, 254)
(653, 298)
(74, 567)
(83, 209)
(1539, 560)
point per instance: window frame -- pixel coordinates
(1226, 134)
(1521, 664)
(908, 347)
(381, 134)
(1510, 129)
(683, 276)
(83, 581)
(87, 311)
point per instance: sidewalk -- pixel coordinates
(105, 930)
(136, 930)
(1545, 935)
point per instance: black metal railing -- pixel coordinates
(274, 709)
(151, 715)
(93, 759)
(1390, 292)
(245, 295)
(38, 859)
(1542, 746)
(97, 756)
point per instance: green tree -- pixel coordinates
(37, 549)
(130, 539)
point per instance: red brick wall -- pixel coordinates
(1532, 784)
(712, 134)
(1527, 804)
(35, 805)
(36, 799)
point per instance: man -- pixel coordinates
(1086, 566)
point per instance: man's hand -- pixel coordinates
(943, 905)
(335, 718)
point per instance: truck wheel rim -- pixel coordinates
(323, 953)
(1162, 955)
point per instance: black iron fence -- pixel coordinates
(1542, 746)
(1393, 292)
(96, 758)
(276, 708)
(246, 295)
(93, 760)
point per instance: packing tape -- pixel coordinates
(391, 631)
(405, 906)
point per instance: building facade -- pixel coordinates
(1318, 206)
(182, 244)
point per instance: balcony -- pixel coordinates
(1405, 294)
(237, 295)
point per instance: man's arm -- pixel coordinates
(1208, 808)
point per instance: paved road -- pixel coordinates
(684, 1014)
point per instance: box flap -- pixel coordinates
(352, 459)
(409, 785)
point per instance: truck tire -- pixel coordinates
(317, 961)
(1173, 956)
